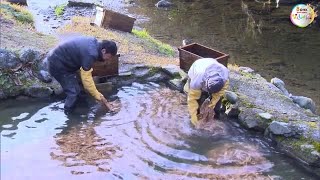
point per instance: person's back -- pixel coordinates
(203, 69)
(75, 53)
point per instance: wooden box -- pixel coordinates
(189, 53)
(108, 68)
(109, 19)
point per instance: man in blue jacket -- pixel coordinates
(76, 54)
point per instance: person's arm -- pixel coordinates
(193, 96)
(88, 83)
(216, 96)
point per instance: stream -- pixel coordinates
(148, 136)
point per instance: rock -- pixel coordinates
(250, 119)
(280, 85)
(21, 2)
(280, 128)
(246, 69)
(163, 4)
(183, 75)
(186, 42)
(265, 116)
(44, 76)
(231, 97)
(172, 70)
(233, 112)
(160, 76)
(43, 64)
(129, 1)
(177, 84)
(305, 102)
(79, 4)
(8, 60)
(2, 95)
(29, 55)
(38, 91)
(140, 72)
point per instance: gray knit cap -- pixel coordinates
(214, 85)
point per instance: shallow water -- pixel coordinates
(148, 136)
(254, 33)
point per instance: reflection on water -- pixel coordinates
(255, 34)
(148, 137)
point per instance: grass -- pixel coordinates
(133, 50)
(59, 9)
(16, 13)
(162, 47)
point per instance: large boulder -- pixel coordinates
(28, 55)
(8, 60)
(21, 2)
(280, 85)
(250, 119)
(163, 4)
(39, 91)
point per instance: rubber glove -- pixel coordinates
(88, 84)
(193, 96)
(215, 97)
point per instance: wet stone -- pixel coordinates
(29, 55)
(39, 91)
(279, 128)
(231, 97)
(45, 76)
(8, 60)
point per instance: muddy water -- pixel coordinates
(147, 136)
(254, 33)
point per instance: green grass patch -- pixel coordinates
(59, 10)
(16, 12)
(162, 47)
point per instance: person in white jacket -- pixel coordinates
(206, 77)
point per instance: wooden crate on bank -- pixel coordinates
(109, 19)
(107, 68)
(190, 53)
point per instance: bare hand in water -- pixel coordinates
(106, 103)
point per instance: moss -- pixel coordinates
(297, 143)
(316, 146)
(248, 104)
(16, 12)
(248, 75)
(162, 47)
(59, 9)
(312, 124)
(153, 71)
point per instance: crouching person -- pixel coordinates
(207, 79)
(65, 61)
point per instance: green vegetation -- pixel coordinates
(59, 10)
(16, 12)
(162, 47)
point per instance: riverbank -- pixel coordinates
(260, 105)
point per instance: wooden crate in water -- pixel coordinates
(190, 53)
(109, 19)
(107, 68)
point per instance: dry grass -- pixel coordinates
(16, 12)
(132, 49)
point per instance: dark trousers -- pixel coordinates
(69, 82)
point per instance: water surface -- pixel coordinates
(148, 136)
